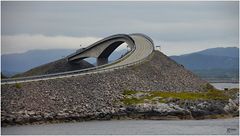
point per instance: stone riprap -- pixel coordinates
(95, 95)
(180, 109)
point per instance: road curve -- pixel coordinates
(118, 37)
(144, 46)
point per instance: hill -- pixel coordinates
(221, 51)
(12, 64)
(212, 63)
(196, 61)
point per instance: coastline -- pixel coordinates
(150, 105)
(108, 117)
(144, 111)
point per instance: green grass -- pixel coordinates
(18, 85)
(129, 92)
(209, 95)
(232, 93)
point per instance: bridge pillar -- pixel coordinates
(102, 61)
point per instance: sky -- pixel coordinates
(178, 27)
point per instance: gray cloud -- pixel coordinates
(23, 43)
(206, 24)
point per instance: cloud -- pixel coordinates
(105, 18)
(193, 25)
(24, 42)
(191, 31)
(183, 47)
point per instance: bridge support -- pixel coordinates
(102, 61)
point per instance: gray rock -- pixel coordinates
(231, 107)
(144, 107)
(157, 98)
(140, 95)
(48, 115)
(37, 117)
(162, 107)
(62, 115)
(30, 113)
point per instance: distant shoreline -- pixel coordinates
(234, 82)
(221, 81)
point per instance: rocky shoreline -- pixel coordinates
(173, 109)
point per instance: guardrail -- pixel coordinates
(98, 69)
(147, 37)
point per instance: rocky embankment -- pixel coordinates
(183, 105)
(102, 95)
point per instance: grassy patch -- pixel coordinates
(129, 92)
(18, 85)
(129, 98)
(232, 93)
(216, 95)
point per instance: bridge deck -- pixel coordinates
(143, 48)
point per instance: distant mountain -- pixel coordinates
(227, 52)
(212, 63)
(12, 64)
(201, 61)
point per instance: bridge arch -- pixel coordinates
(102, 49)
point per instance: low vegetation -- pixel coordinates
(135, 97)
(18, 85)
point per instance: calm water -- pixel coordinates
(225, 85)
(219, 126)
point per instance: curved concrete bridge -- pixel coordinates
(102, 49)
(141, 47)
